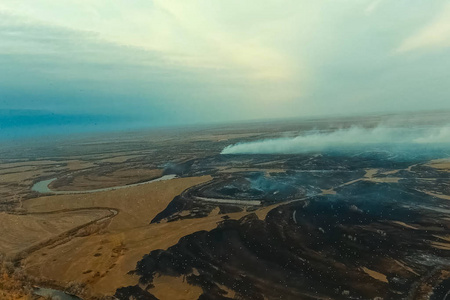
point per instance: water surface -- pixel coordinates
(43, 186)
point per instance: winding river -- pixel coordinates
(42, 186)
(54, 294)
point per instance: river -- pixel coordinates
(54, 294)
(42, 186)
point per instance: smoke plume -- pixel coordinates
(347, 139)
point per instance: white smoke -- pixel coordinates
(353, 137)
(438, 136)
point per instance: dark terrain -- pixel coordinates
(368, 239)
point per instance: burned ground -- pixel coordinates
(349, 244)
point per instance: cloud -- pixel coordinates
(434, 35)
(69, 70)
(349, 138)
(372, 6)
(189, 34)
(215, 60)
(215, 52)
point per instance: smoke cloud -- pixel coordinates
(349, 138)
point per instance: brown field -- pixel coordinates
(440, 196)
(75, 165)
(103, 260)
(137, 205)
(119, 159)
(96, 239)
(405, 225)
(442, 246)
(329, 192)
(20, 232)
(441, 164)
(375, 275)
(101, 255)
(175, 288)
(17, 178)
(91, 181)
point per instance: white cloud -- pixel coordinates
(272, 58)
(434, 35)
(372, 6)
(192, 34)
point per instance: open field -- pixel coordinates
(20, 232)
(92, 181)
(327, 226)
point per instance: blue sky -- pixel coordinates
(165, 62)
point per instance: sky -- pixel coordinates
(119, 64)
